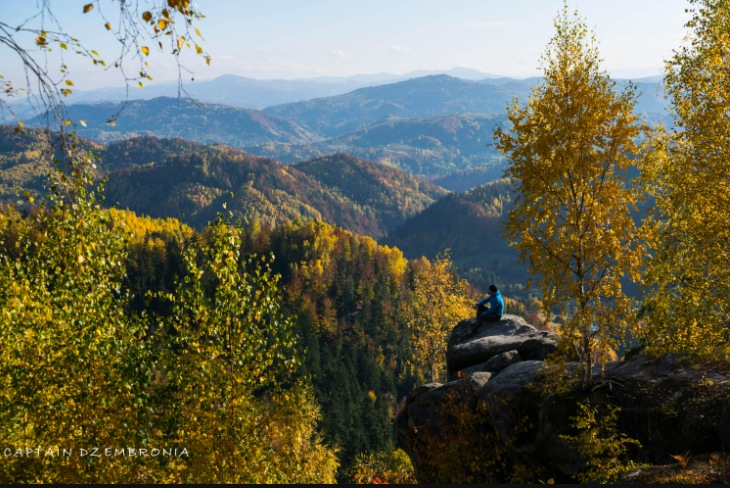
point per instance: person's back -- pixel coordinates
(491, 314)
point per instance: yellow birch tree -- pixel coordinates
(688, 307)
(439, 300)
(570, 148)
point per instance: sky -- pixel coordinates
(288, 39)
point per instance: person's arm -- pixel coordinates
(493, 307)
(482, 302)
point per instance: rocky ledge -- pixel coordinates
(668, 404)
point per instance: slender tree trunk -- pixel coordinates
(585, 328)
(588, 377)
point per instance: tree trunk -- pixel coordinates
(588, 377)
(585, 332)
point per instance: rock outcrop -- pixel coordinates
(511, 335)
(668, 404)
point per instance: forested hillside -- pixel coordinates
(193, 188)
(197, 121)
(469, 225)
(189, 180)
(26, 160)
(26, 157)
(425, 146)
(468, 178)
(345, 294)
(143, 150)
(380, 192)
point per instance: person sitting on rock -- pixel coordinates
(495, 311)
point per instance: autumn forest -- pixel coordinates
(201, 292)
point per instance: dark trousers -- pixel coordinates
(485, 317)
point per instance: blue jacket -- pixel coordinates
(496, 304)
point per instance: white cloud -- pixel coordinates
(493, 24)
(338, 53)
(398, 49)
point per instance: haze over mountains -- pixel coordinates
(419, 97)
(434, 126)
(241, 91)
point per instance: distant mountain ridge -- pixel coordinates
(419, 97)
(425, 146)
(435, 126)
(425, 96)
(241, 91)
(201, 122)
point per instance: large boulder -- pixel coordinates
(511, 333)
(525, 419)
(670, 404)
(428, 413)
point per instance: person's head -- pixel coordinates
(492, 289)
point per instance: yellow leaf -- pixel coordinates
(69, 83)
(198, 32)
(180, 43)
(141, 85)
(63, 46)
(163, 24)
(146, 16)
(88, 7)
(82, 122)
(108, 26)
(68, 122)
(145, 50)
